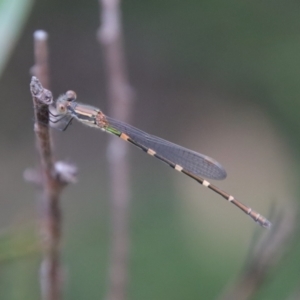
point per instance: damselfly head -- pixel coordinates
(64, 100)
(71, 96)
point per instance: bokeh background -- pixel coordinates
(219, 77)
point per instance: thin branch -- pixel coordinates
(120, 101)
(50, 177)
(41, 68)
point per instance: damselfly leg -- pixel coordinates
(60, 117)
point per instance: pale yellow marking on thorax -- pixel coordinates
(86, 111)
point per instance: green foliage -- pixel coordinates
(13, 14)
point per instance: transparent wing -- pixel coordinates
(191, 161)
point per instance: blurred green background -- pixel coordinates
(219, 77)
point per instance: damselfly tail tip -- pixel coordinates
(258, 218)
(266, 224)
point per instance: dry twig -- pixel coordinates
(51, 177)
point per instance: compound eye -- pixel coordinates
(71, 96)
(61, 108)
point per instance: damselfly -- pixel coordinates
(183, 160)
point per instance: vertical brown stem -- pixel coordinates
(50, 227)
(120, 100)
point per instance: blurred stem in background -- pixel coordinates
(110, 35)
